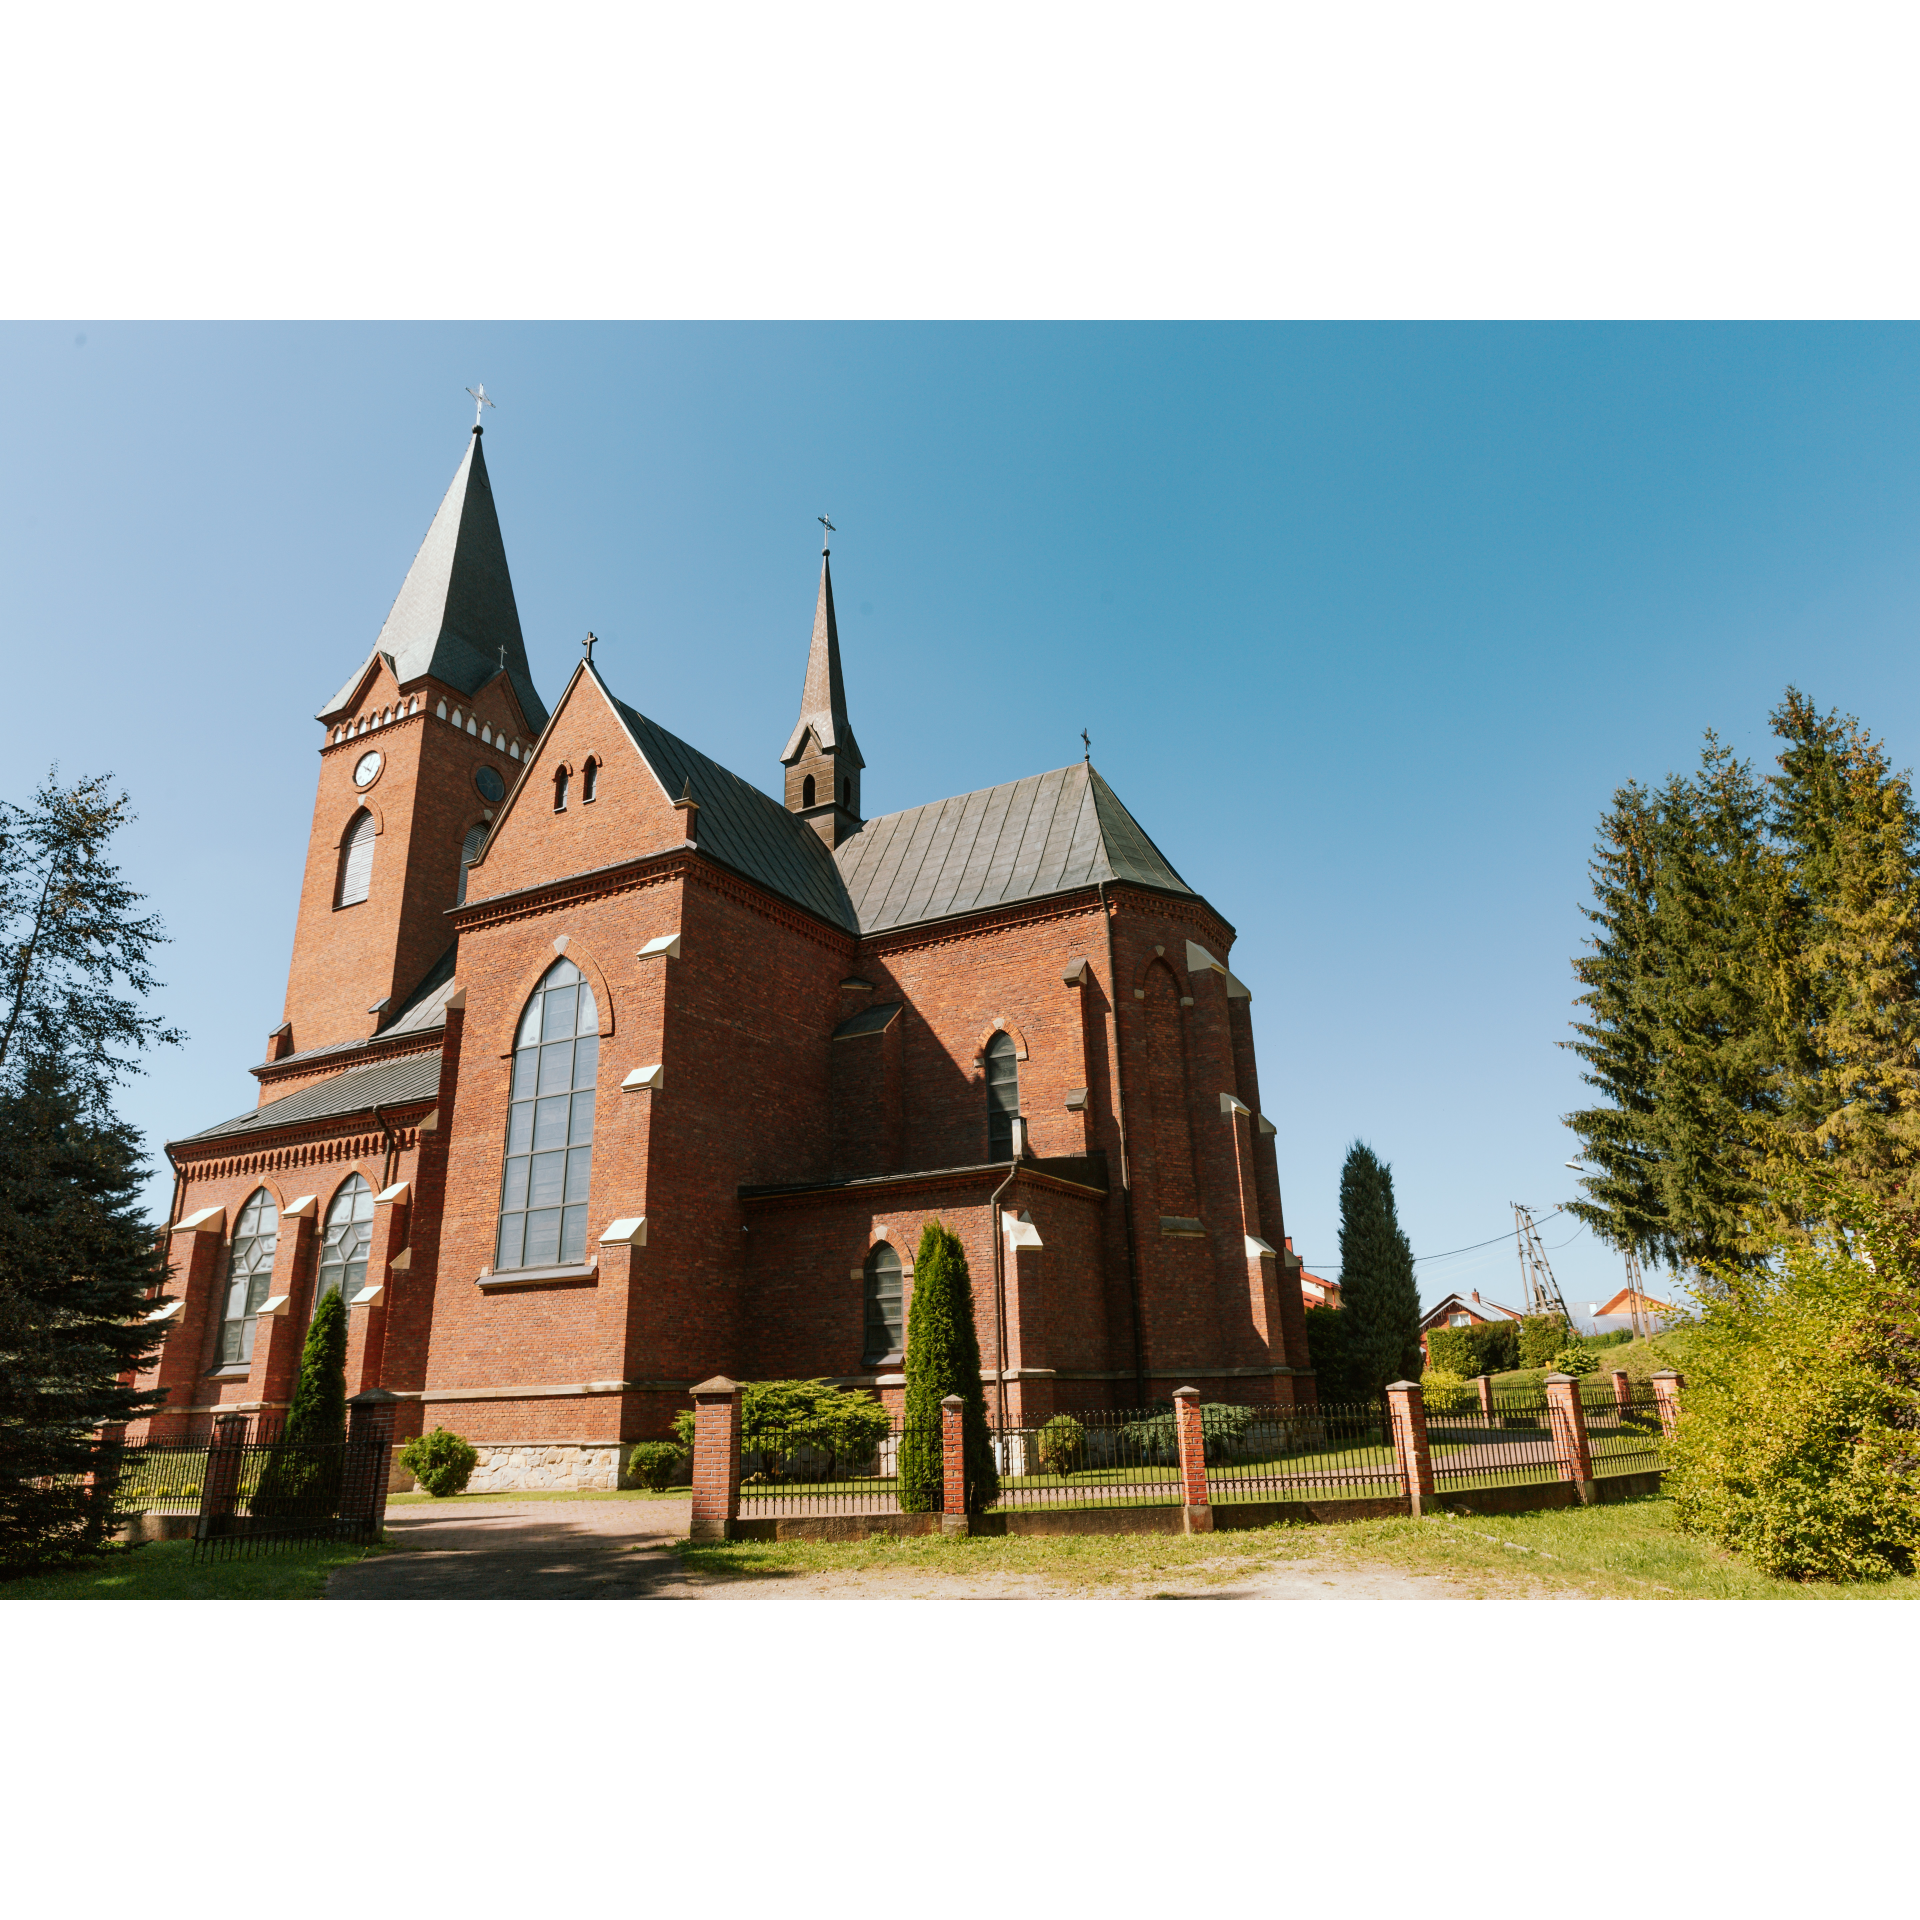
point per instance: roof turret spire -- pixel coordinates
(823, 700)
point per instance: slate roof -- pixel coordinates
(1489, 1310)
(742, 827)
(455, 609)
(395, 1083)
(1050, 833)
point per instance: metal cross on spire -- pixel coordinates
(590, 642)
(831, 528)
(480, 400)
(1087, 746)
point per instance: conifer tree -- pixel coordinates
(943, 1357)
(304, 1468)
(79, 1265)
(1377, 1286)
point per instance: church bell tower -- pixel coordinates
(419, 750)
(822, 758)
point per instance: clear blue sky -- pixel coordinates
(1367, 622)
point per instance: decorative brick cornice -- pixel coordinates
(313, 1143)
(1188, 909)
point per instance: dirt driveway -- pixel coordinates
(622, 1550)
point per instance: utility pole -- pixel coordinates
(1635, 1296)
(1539, 1288)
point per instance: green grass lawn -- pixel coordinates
(165, 1570)
(1629, 1551)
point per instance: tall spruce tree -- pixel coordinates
(78, 1264)
(1377, 1287)
(943, 1357)
(1750, 1004)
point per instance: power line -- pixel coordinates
(1494, 1242)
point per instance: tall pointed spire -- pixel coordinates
(455, 616)
(823, 700)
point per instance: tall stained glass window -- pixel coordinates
(343, 1253)
(543, 1192)
(249, 1274)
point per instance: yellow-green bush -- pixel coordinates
(1446, 1392)
(1799, 1440)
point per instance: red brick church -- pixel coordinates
(602, 1071)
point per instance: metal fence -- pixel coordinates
(794, 1472)
(1300, 1453)
(1624, 1435)
(1511, 1447)
(1131, 1456)
(1120, 1457)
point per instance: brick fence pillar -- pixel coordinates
(1666, 1394)
(369, 1463)
(1570, 1447)
(716, 1459)
(1622, 1391)
(1196, 1508)
(1407, 1405)
(953, 1464)
(220, 1489)
(1485, 1384)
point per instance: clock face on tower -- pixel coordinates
(365, 768)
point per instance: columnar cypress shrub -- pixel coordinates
(1377, 1286)
(943, 1357)
(302, 1472)
(1330, 1348)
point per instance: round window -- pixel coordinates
(365, 768)
(491, 786)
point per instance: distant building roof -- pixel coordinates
(1483, 1310)
(1628, 1299)
(1049, 833)
(394, 1083)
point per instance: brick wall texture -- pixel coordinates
(767, 1158)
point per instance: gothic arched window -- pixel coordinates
(356, 860)
(1003, 1096)
(589, 780)
(560, 791)
(249, 1274)
(543, 1192)
(469, 853)
(343, 1251)
(806, 791)
(885, 1322)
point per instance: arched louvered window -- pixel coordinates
(886, 1323)
(1003, 1096)
(343, 1252)
(469, 853)
(543, 1192)
(806, 791)
(249, 1274)
(356, 860)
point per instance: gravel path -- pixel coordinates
(621, 1550)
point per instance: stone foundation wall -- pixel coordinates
(558, 1466)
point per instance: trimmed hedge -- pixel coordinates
(1542, 1335)
(1471, 1351)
